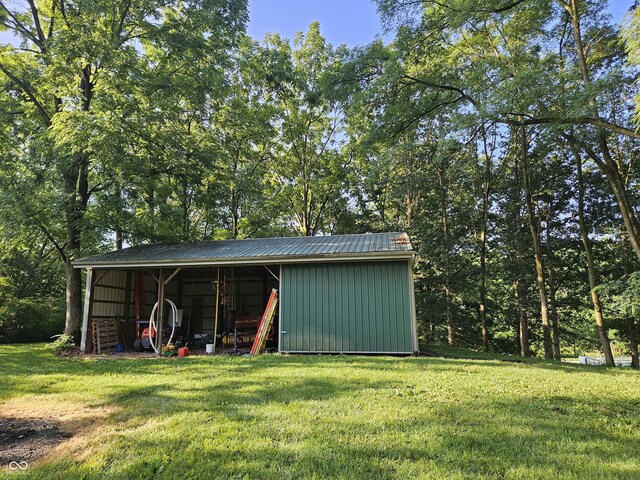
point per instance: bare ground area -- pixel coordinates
(31, 430)
(25, 440)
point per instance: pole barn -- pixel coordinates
(337, 293)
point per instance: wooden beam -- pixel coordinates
(172, 275)
(272, 274)
(100, 277)
(86, 314)
(154, 277)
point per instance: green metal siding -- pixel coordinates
(346, 307)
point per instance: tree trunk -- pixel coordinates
(73, 214)
(537, 248)
(591, 266)
(74, 304)
(185, 208)
(450, 331)
(483, 245)
(609, 167)
(523, 327)
(519, 288)
(553, 303)
(119, 235)
(632, 330)
(633, 343)
(235, 214)
(76, 184)
(445, 231)
(619, 188)
(119, 240)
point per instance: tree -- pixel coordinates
(473, 46)
(631, 36)
(307, 171)
(72, 59)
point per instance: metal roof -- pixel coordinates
(257, 251)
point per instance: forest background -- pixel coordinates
(501, 135)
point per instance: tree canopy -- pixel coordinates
(503, 136)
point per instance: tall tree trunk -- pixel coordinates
(553, 303)
(151, 210)
(73, 296)
(235, 197)
(76, 189)
(445, 232)
(607, 164)
(486, 190)
(519, 288)
(76, 184)
(537, 247)
(235, 214)
(520, 293)
(591, 265)
(185, 201)
(119, 234)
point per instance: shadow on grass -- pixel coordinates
(252, 429)
(334, 417)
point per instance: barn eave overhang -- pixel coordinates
(251, 261)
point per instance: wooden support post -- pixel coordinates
(215, 328)
(160, 311)
(86, 315)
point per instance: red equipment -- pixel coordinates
(145, 333)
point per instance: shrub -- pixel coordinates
(63, 343)
(24, 320)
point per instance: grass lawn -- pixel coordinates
(325, 417)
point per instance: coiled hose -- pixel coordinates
(153, 324)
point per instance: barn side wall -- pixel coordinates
(347, 307)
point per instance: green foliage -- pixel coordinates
(33, 319)
(631, 36)
(461, 78)
(63, 343)
(308, 172)
(623, 295)
(152, 121)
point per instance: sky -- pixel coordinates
(352, 22)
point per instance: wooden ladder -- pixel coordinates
(265, 324)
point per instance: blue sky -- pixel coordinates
(353, 22)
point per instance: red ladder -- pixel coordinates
(265, 324)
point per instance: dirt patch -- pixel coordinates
(41, 429)
(25, 440)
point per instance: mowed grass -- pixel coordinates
(328, 417)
